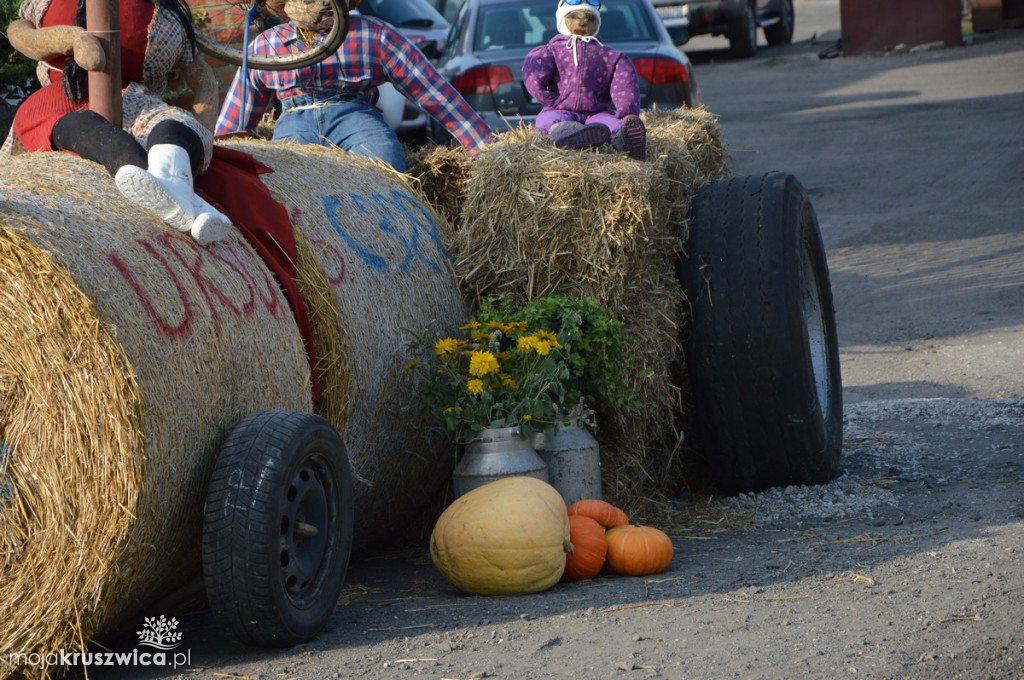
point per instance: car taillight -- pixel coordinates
(661, 71)
(482, 79)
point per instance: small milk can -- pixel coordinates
(573, 459)
(495, 454)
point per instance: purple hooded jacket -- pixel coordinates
(605, 79)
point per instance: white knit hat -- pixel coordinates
(564, 8)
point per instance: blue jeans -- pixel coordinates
(346, 122)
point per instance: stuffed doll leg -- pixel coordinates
(631, 137)
(548, 118)
(91, 136)
(578, 136)
(165, 186)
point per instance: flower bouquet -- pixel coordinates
(498, 374)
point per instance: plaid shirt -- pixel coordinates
(373, 53)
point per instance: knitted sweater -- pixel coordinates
(582, 75)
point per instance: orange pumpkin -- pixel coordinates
(602, 512)
(589, 547)
(638, 550)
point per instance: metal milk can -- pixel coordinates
(495, 454)
(573, 459)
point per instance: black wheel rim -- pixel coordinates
(308, 525)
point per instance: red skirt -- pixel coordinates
(36, 116)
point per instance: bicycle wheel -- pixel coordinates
(221, 32)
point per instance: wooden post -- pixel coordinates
(102, 20)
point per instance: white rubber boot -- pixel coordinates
(166, 189)
(209, 227)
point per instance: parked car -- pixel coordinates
(737, 20)
(449, 9)
(490, 38)
(416, 19)
(424, 26)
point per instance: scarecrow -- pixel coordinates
(160, 147)
(590, 92)
(332, 103)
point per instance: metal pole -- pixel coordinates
(102, 20)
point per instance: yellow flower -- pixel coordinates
(516, 326)
(550, 338)
(470, 326)
(534, 343)
(508, 381)
(481, 336)
(409, 365)
(483, 363)
(475, 386)
(527, 417)
(494, 324)
(445, 347)
(527, 344)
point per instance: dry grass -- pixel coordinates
(56, 349)
(330, 337)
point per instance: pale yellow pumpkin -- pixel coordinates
(503, 538)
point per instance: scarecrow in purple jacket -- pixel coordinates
(590, 92)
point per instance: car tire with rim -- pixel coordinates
(743, 33)
(761, 347)
(277, 528)
(781, 33)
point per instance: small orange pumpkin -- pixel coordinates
(589, 547)
(602, 512)
(638, 550)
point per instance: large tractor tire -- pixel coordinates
(761, 345)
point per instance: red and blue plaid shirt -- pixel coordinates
(373, 53)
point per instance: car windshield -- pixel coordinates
(403, 13)
(532, 22)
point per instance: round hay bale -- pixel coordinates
(130, 352)
(379, 244)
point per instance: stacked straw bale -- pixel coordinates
(129, 353)
(533, 220)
